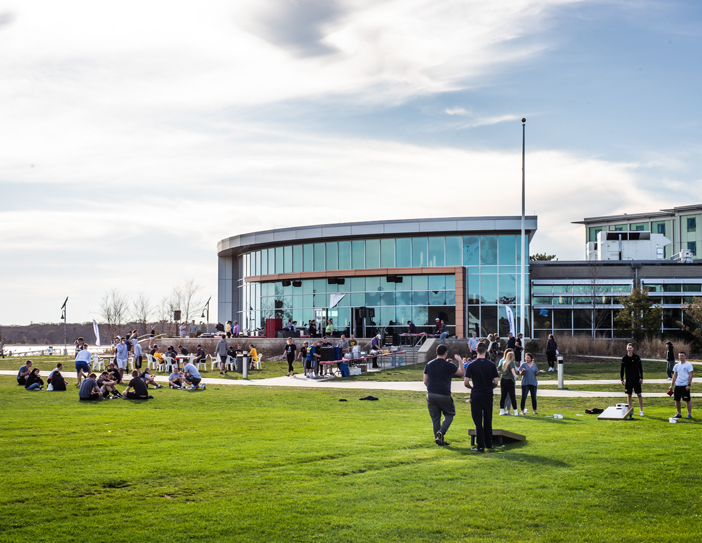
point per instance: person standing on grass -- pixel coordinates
(83, 360)
(529, 371)
(483, 372)
(289, 352)
(221, 350)
(437, 378)
(633, 370)
(551, 352)
(138, 355)
(682, 381)
(122, 356)
(508, 375)
(670, 359)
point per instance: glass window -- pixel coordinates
(542, 289)
(562, 318)
(278, 260)
(561, 300)
(344, 255)
(692, 246)
(403, 298)
(420, 282)
(488, 320)
(542, 319)
(403, 251)
(387, 316)
(488, 289)
(691, 224)
(692, 288)
(258, 263)
(287, 259)
(308, 258)
(420, 315)
(264, 262)
(450, 282)
(450, 297)
(474, 319)
(437, 297)
(373, 253)
(387, 298)
(454, 251)
(473, 289)
(437, 282)
(358, 284)
(672, 288)
(420, 298)
(508, 289)
(358, 299)
(508, 250)
(436, 252)
(671, 318)
(319, 257)
(320, 285)
(372, 284)
(385, 285)
(387, 253)
(308, 287)
(372, 298)
(332, 256)
(542, 300)
(582, 319)
(403, 314)
(621, 288)
(297, 258)
(419, 252)
(471, 250)
(672, 300)
(271, 261)
(488, 250)
(358, 254)
(661, 228)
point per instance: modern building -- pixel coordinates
(379, 275)
(681, 225)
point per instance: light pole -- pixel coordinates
(65, 334)
(524, 255)
(207, 309)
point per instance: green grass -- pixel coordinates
(274, 464)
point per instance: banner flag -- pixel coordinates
(510, 318)
(334, 299)
(96, 329)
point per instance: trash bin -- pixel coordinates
(239, 366)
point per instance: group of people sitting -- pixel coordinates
(223, 351)
(30, 378)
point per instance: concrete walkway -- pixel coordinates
(457, 387)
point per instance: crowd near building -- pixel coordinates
(377, 277)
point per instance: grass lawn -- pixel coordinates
(275, 464)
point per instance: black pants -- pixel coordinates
(507, 389)
(481, 410)
(291, 358)
(137, 361)
(440, 404)
(551, 358)
(526, 389)
(133, 396)
(670, 368)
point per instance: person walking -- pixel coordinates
(633, 370)
(670, 360)
(551, 352)
(508, 375)
(529, 371)
(437, 378)
(682, 381)
(289, 352)
(221, 351)
(485, 378)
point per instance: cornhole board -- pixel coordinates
(621, 411)
(501, 435)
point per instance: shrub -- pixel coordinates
(586, 345)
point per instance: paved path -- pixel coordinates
(457, 387)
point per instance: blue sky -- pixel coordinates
(138, 135)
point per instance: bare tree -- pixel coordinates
(141, 312)
(595, 315)
(114, 307)
(165, 312)
(185, 298)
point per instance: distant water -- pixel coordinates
(37, 350)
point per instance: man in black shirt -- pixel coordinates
(113, 371)
(437, 378)
(485, 379)
(200, 355)
(139, 387)
(632, 369)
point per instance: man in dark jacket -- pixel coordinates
(485, 379)
(437, 378)
(632, 369)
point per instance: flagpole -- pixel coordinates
(524, 255)
(65, 335)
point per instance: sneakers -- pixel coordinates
(193, 387)
(203, 386)
(669, 379)
(689, 417)
(678, 416)
(440, 439)
(641, 414)
(516, 413)
(524, 412)
(502, 412)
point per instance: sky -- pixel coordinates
(136, 135)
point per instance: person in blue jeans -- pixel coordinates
(529, 371)
(34, 382)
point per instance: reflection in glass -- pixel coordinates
(454, 251)
(372, 253)
(403, 298)
(436, 251)
(419, 252)
(278, 260)
(308, 258)
(420, 316)
(488, 250)
(488, 320)
(508, 250)
(420, 298)
(403, 252)
(319, 257)
(488, 290)
(344, 255)
(471, 250)
(287, 259)
(437, 282)
(437, 297)
(332, 256)
(403, 314)
(387, 253)
(297, 258)
(420, 282)
(358, 254)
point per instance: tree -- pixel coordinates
(639, 317)
(542, 257)
(692, 319)
(141, 312)
(184, 297)
(595, 315)
(114, 308)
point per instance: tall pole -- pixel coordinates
(65, 334)
(524, 255)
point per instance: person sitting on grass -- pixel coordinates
(176, 379)
(24, 372)
(200, 355)
(150, 379)
(252, 354)
(113, 371)
(108, 385)
(34, 382)
(89, 390)
(192, 376)
(139, 388)
(83, 360)
(55, 378)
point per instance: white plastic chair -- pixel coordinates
(167, 364)
(98, 363)
(151, 362)
(257, 360)
(229, 364)
(202, 363)
(215, 361)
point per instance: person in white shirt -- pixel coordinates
(473, 343)
(682, 381)
(121, 356)
(192, 376)
(138, 355)
(83, 361)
